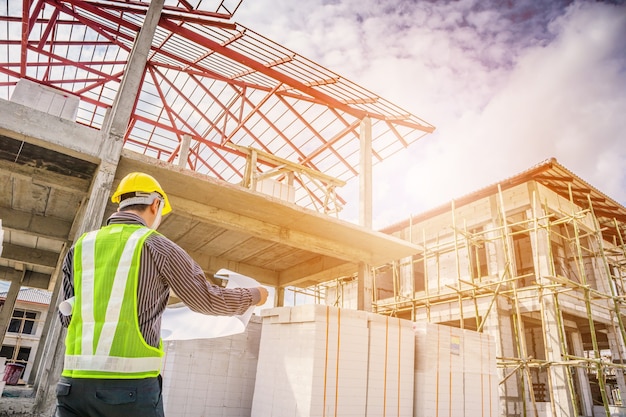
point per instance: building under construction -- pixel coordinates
(538, 261)
(253, 143)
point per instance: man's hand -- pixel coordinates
(263, 292)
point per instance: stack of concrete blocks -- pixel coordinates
(3, 362)
(211, 377)
(312, 363)
(390, 370)
(46, 99)
(455, 373)
(277, 189)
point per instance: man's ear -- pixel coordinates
(154, 207)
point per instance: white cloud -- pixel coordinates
(506, 87)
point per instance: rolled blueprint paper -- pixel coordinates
(180, 323)
(67, 306)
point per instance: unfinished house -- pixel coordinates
(538, 261)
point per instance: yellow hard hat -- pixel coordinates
(138, 182)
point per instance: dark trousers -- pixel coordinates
(109, 397)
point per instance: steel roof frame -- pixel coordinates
(206, 77)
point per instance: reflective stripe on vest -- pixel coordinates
(101, 360)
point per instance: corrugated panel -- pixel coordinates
(31, 295)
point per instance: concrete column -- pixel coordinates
(51, 317)
(364, 285)
(279, 298)
(616, 345)
(407, 281)
(183, 154)
(117, 118)
(365, 174)
(9, 305)
(498, 324)
(584, 389)
(112, 133)
(562, 402)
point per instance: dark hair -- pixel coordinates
(133, 207)
(136, 207)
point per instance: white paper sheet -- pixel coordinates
(180, 323)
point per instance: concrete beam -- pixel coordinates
(30, 256)
(212, 264)
(271, 232)
(27, 278)
(319, 269)
(45, 178)
(35, 224)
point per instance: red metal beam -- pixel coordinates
(49, 25)
(354, 132)
(25, 30)
(66, 61)
(317, 134)
(226, 111)
(260, 67)
(255, 108)
(183, 13)
(192, 104)
(173, 116)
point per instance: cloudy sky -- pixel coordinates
(508, 84)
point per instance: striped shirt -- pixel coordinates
(165, 266)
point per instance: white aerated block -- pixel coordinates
(211, 377)
(312, 363)
(390, 378)
(455, 373)
(2, 367)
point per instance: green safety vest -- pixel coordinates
(103, 338)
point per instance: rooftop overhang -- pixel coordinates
(550, 173)
(280, 243)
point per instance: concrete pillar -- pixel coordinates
(616, 345)
(51, 317)
(407, 280)
(365, 174)
(559, 386)
(584, 389)
(112, 133)
(183, 154)
(562, 404)
(9, 305)
(279, 298)
(499, 325)
(364, 287)
(365, 279)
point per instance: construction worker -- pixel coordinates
(119, 280)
